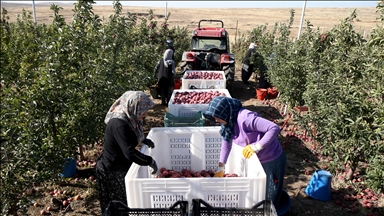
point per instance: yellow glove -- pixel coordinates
(250, 149)
(219, 172)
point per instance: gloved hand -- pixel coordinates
(149, 143)
(219, 172)
(153, 166)
(250, 149)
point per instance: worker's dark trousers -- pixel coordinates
(275, 178)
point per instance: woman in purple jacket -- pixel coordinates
(256, 134)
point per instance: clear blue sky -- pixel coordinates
(230, 4)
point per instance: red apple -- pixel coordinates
(77, 197)
(337, 202)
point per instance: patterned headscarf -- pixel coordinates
(227, 109)
(130, 106)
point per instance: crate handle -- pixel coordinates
(183, 206)
(196, 205)
(114, 207)
(261, 203)
(200, 201)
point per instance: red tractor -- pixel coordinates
(210, 50)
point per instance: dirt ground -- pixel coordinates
(302, 161)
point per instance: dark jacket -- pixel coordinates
(165, 76)
(247, 66)
(120, 151)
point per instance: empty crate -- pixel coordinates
(194, 120)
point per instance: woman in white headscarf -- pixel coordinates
(124, 131)
(247, 66)
(165, 69)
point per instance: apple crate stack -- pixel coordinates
(187, 105)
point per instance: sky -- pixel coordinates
(230, 4)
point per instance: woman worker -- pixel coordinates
(257, 135)
(123, 133)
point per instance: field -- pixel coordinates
(302, 160)
(235, 20)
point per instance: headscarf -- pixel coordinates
(227, 109)
(252, 46)
(168, 60)
(130, 106)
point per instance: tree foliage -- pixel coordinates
(59, 80)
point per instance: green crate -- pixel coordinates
(195, 120)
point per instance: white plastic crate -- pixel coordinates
(195, 148)
(190, 109)
(203, 83)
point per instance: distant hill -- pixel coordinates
(21, 5)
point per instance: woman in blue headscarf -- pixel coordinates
(257, 135)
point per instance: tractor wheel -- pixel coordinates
(186, 66)
(229, 75)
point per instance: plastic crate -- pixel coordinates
(203, 83)
(190, 109)
(202, 208)
(117, 208)
(196, 120)
(195, 148)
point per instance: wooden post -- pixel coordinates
(166, 10)
(34, 11)
(81, 152)
(314, 139)
(302, 18)
(237, 22)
